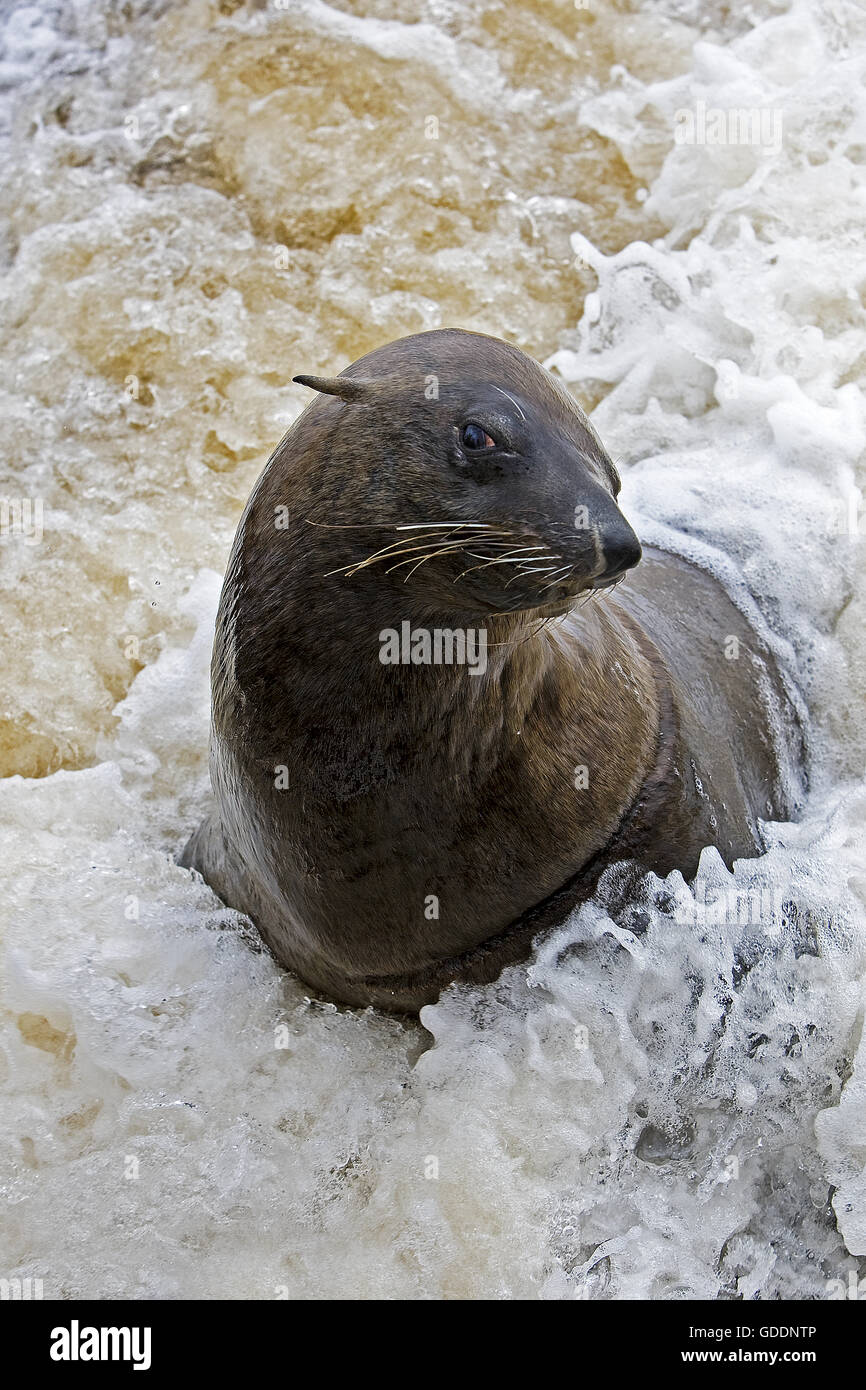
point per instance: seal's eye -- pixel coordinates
(473, 437)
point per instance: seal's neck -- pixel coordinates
(369, 674)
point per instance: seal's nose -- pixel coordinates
(621, 550)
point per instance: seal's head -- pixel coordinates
(478, 477)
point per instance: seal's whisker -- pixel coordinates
(564, 569)
(348, 525)
(475, 555)
(451, 546)
(363, 525)
(398, 526)
(514, 576)
(424, 558)
(429, 549)
(608, 588)
(542, 623)
(512, 557)
(401, 547)
(454, 525)
(545, 623)
(525, 569)
(446, 549)
(493, 544)
(530, 549)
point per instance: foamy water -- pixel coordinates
(201, 200)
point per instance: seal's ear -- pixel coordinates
(359, 388)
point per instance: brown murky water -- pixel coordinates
(199, 201)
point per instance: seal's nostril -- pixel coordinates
(621, 550)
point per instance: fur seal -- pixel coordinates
(394, 817)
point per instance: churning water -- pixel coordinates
(665, 202)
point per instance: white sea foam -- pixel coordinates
(664, 1105)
